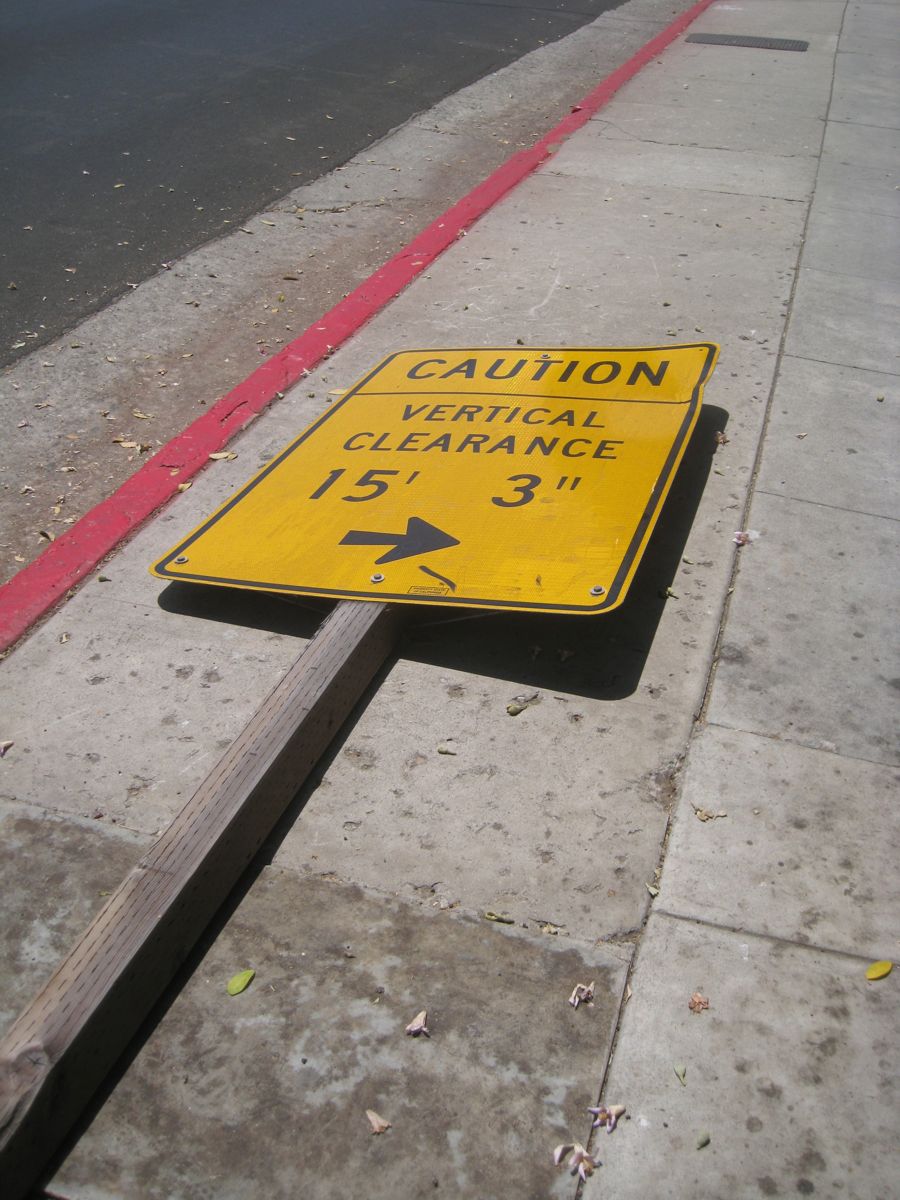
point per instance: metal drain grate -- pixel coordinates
(755, 43)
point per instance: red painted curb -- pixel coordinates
(37, 587)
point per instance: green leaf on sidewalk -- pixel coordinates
(240, 982)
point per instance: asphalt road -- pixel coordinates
(132, 131)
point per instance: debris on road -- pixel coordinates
(705, 814)
(582, 993)
(743, 537)
(240, 982)
(379, 1124)
(698, 1003)
(681, 1071)
(518, 704)
(500, 918)
(579, 1161)
(703, 1140)
(878, 970)
(418, 1025)
(606, 1115)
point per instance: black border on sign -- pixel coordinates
(611, 598)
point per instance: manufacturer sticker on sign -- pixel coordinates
(520, 478)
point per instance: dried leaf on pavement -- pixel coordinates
(704, 814)
(743, 537)
(5, 747)
(579, 1161)
(500, 918)
(582, 993)
(703, 1140)
(223, 455)
(518, 704)
(379, 1124)
(606, 1115)
(418, 1025)
(697, 1003)
(681, 1071)
(878, 970)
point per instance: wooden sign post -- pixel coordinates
(62, 1046)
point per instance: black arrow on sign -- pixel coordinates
(420, 538)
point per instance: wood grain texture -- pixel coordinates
(63, 1044)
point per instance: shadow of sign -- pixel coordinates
(601, 657)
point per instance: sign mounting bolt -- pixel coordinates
(182, 558)
(377, 578)
(597, 590)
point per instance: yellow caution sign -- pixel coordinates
(520, 478)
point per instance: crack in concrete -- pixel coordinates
(827, 362)
(627, 135)
(779, 739)
(756, 936)
(821, 504)
(681, 188)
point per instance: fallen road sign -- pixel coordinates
(488, 478)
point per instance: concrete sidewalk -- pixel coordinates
(747, 196)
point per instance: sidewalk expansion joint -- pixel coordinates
(82, 820)
(519, 928)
